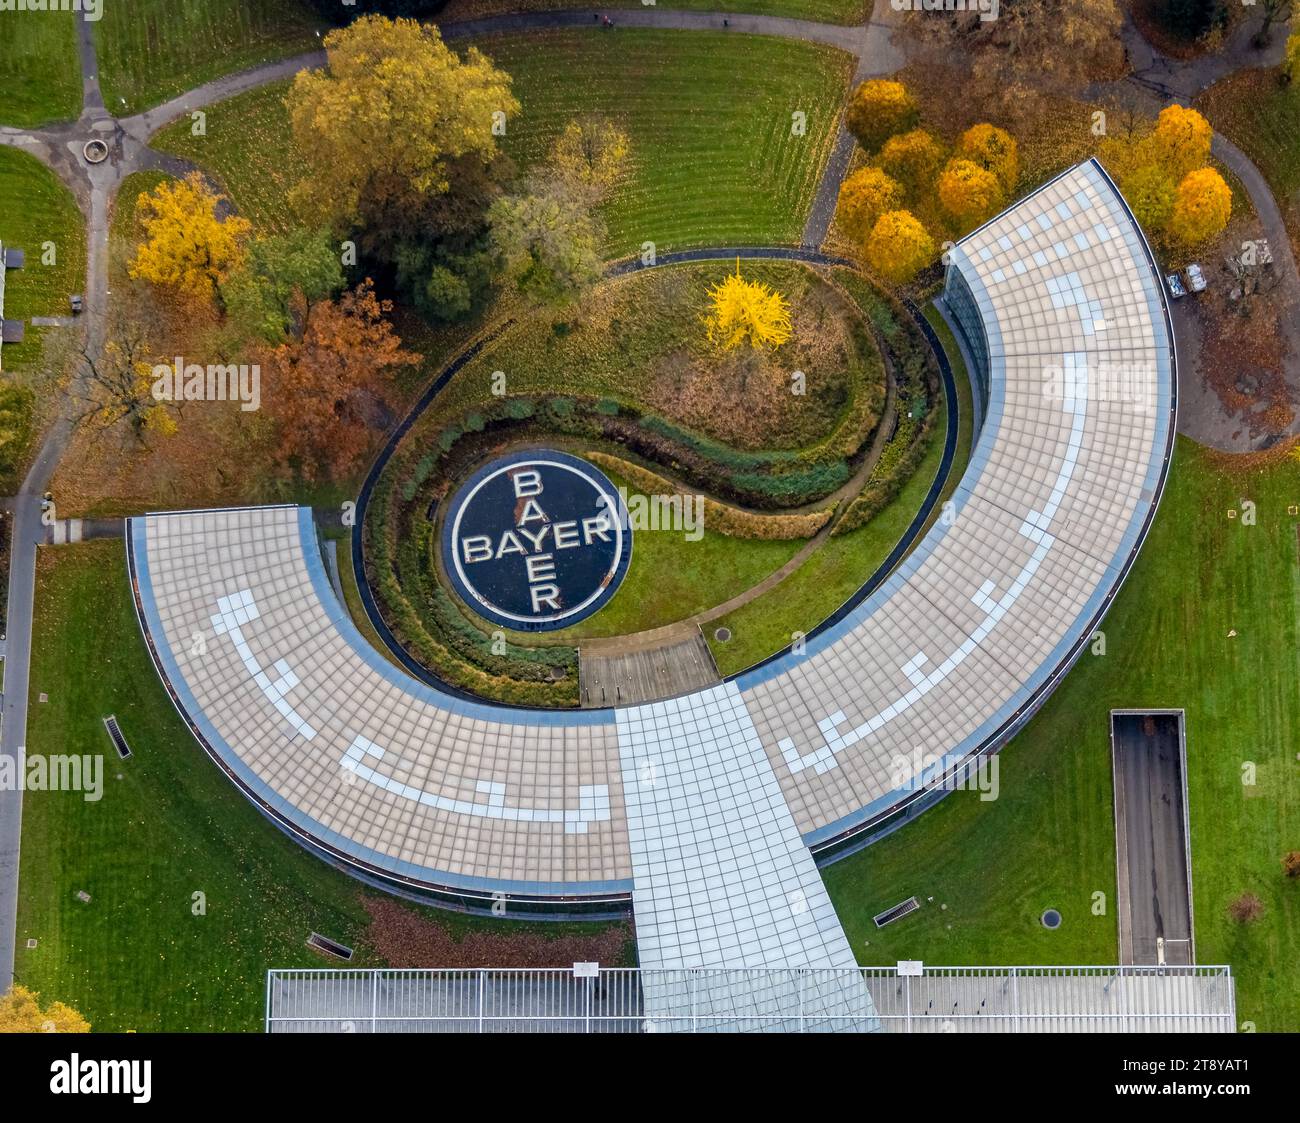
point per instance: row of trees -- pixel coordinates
(284, 304)
(1164, 172)
(1163, 169)
(910, 166)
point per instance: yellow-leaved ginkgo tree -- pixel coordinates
(742, 311)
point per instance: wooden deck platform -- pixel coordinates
(610, 673)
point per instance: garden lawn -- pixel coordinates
(1048, 840)
(35, 208)
(169, 825)
(153, 50)
(838, 569)
(248, 148)
(671, 578)
(42, 76)
(709, 119)
(708, 115)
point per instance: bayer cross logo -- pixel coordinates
(536, 540)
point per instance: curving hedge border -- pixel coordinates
(384, 460)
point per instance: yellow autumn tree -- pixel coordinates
(1181, 141)
(1149, 191)
(913, 158)
(878, 108)
(21, 1012)
(1291, 58)
(591, 155)
(994, 150)
(968, 192)
(187, 247)
(395, 121)
(1202, 207)
(864, 197)
(743, 311)
(898, 247)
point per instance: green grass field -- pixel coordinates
(42, 77)
(709, 117)
(35, 209)
(1049, 839)
(169, 825)
(39, 216)
(823, 11)
(1262, 117)
(249, 149)
(153, 50)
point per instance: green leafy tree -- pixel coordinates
(260, 295)
(548, 243)
(1150, 192)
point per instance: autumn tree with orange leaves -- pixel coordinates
(898, 247)
(878, 108)
(1202, 207)
(968, 192)
(328, 383)
(912, 158)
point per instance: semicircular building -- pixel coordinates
(705, 809)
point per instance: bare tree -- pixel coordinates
(1274, 11)
(116, 385)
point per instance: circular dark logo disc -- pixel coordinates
(536, 540)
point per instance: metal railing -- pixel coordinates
(630, 1000)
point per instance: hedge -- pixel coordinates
(720, 517)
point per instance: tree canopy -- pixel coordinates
(187, 246)
(21, 1012)
(899, 247)
(742, 311)
(394, 122)
(878, 108)
(864, 197)
(260, 293)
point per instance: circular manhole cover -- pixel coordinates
(95, 151)
(722, 634)
(1051, 919)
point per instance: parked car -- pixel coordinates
(1195, 278)
(1175, 283)
(75, 301)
